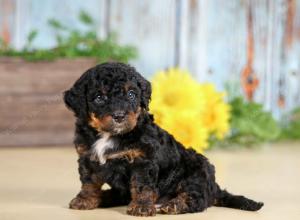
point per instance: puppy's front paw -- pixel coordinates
(141, 209)
(82, 203)
(174, 207)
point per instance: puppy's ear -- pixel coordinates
(145, 87)
(75, 98)
(72, 101)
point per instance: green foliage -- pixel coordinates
(291, 127)
(72, 43)
(250, 124)
(30, 38)
(56, 24)
(1, 44)
(85, 18)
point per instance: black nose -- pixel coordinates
(118, 116)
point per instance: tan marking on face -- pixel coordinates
(129, 155)
(133, 116)
(100, 123)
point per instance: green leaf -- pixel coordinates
(31, 36)
(56, 24)
(251, 124)
(291, 125)
(85, 18)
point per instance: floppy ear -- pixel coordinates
(75, 98)
(145, 87)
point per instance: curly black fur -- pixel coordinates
(110, 102)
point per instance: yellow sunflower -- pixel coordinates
(186, 130)
(216, 113)
(187, 109)
(172, 89)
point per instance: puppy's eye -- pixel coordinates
(100, 99)
(131, 95)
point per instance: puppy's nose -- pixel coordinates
(118, 116)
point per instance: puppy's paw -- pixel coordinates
(174, 207)
(82, 203)
(141, 209)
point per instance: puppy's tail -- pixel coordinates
(226, 199)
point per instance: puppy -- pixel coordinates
(118, 143)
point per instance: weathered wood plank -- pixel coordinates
(20, 77)
(34, 14)
(214, 47)
(291, 62)
(37, 138)
(34, 112)
(213, 43)
(31, 108)
(7, 20)
(150, 26)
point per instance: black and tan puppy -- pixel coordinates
(118, 143)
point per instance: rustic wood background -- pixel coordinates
(250, 44)
(32, 111)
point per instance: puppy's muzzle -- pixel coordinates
(119, 116)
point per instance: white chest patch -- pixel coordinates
(101, 145)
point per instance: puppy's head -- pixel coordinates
(109, 97)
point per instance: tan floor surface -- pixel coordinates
(37, 183)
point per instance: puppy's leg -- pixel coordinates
(177, 205)
(143, 191)
(90, 193)
(194, 194)
(87, 198)
(143, 201)
(184, 203)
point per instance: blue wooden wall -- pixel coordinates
(207, 37)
